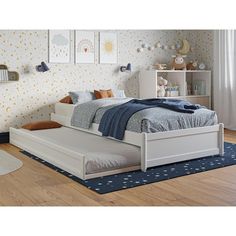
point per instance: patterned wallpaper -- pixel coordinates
(32, 98)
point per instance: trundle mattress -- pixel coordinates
(100, 154)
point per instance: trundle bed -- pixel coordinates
(71, 148)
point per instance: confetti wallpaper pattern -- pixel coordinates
(33, 96)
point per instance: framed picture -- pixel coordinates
(84, 47)
(108, 48)
(59, 46)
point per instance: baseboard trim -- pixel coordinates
(4, 137)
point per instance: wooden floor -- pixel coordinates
(37, 185)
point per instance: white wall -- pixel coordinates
(32, 98)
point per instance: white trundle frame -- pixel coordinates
(166, 147)
(69, 160)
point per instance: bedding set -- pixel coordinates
(117, 114)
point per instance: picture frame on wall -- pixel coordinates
(59, 46)
(84, 47)
(108, 48)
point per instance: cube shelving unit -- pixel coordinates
(200, 79)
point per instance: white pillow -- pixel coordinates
(81, 96)
(119, 93)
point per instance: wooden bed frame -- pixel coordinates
(155, 148)
(167, 147)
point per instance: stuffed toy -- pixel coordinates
(178, 62)
(161, 86)
(192, 65)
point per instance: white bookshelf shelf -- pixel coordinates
(194, 85)
(8, 76)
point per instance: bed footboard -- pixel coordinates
(174, 146)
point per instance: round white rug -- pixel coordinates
(8, 163)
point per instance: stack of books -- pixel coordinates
(4, 75)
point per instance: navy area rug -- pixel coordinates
(132, 179)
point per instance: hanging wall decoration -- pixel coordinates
(184, 48)
(108, 48)
(59, 46)
(84, 47)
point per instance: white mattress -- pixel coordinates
(64, 109)
(101, 154)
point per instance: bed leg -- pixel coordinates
(144, 153)
(143, 169)
(221, 139)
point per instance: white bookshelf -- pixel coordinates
(186, 80)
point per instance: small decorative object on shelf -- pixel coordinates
(202, 66)
(178, 62)
(195, 90)
(161, 86)
(159, 66)
(189, 89)
(172, 90)
(199, 85)
(7, 76)
(192, 65)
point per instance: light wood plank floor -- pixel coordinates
(36, 185)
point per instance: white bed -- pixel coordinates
(86, 154)
(161, 147)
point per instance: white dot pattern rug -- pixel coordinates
(8, 163)
(111, 183)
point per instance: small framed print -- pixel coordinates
(84, 47)
(108, 48)
(59, 46)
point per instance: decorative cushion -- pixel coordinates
(100, 94)
(109, 92)
(81, 96)
(67, 100)
(119, 93)
(46, 124)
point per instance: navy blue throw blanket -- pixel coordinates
(114, 120)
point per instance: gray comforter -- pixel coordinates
(149, 120)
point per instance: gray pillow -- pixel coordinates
(81, 96)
